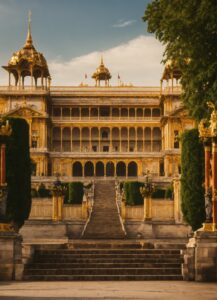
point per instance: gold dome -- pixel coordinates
(28, 61)
(102, 73)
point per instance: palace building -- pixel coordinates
(95, 131)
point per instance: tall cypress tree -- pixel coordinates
(192, 179)
(18, 171)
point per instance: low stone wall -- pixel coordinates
(42, 210)
(162, 210)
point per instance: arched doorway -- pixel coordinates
(132, 169)
(77, 169)
(110, 170)
(99, 169)
(89, 169)
(121, 169)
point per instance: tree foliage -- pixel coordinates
(192, 179)
(188, 29)
(18, 171)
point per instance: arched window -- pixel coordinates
(66, 112)
(156, 139)
(147, 134)
(110, 169)
(56, 139)
(147, 112)
(156, 112)
(132, 169)
(77, 169)
(66, 139)
(89, 169)
(121, 169)
(99, 169)
(105, 134)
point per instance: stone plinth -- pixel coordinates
(200, 257)
(11, 267)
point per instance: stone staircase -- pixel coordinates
(108, 260)
(105, 221)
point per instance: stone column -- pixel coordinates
(214, 187)
(147, 208)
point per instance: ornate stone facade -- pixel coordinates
(102, 131)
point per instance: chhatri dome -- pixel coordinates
(28, 62)
(102, 73)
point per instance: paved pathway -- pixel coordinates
(148, 290)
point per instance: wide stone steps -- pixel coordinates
(87, 264)
(101, 277)
(103, 271)
(105, 221)
(114, 261)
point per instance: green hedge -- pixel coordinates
(75, 193)
(132, 193)
(43, 192)
(18, 171)
(158, 193)
(192, 179)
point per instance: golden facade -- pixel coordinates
(102, 131)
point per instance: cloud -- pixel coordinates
(122, 23)
(137, 62)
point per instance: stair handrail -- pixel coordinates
(90, 203)
(118, 200)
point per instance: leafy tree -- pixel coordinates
(192, 178)
(188, 29)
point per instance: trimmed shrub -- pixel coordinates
(158, 193)
(192, 178)
(76, 192)
(43, 192)
(132, 193)
(169, 192)
(18, 172)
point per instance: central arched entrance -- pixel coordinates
(110, 169)
(121, 169)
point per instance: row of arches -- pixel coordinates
(109, 169)
(106, 139)
(98, 112)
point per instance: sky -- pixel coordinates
(73, 34)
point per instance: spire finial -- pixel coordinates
(29, 34)
(102, 59)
